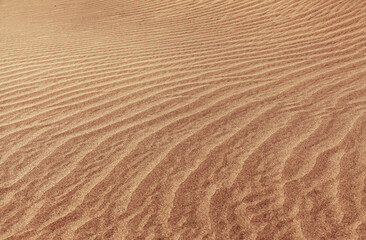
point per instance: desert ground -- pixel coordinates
(182, 119)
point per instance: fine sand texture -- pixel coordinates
(182, 119)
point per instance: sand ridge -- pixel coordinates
(172, 119)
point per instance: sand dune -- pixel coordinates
(172, 119)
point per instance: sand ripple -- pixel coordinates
(196, 119)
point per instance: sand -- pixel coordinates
(182, 119)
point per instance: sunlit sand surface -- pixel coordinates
(182, 119)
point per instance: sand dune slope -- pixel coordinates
(182, 119)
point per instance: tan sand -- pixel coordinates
(182, 119)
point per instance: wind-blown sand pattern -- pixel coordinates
(183, 119)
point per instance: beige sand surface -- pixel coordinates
(182, 119)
